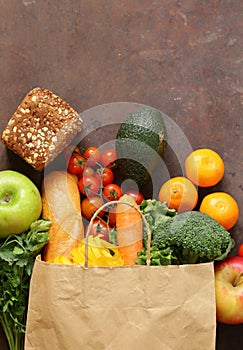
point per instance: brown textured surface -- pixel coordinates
(182, 57)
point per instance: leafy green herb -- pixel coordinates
(17, 256)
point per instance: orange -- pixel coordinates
(204, 167)
(179, 193)
(222, 207)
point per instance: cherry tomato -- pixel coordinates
(108, 158)
(240, 250)
(88, 171)
(92, 154)
(76, 164)
(137, 196)
(112, 192)
(99, 227)
(70, 150)
(88, 185)
(90, 205)
(112, 217)
(106, 175)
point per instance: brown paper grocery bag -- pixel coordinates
(125, 308)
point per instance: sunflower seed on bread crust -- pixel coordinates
(41, 127)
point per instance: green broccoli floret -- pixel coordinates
(155, 213)
(194, 237)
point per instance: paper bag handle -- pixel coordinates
(101, 209)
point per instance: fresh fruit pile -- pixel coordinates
(204, 168)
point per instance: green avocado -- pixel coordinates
(141, 140)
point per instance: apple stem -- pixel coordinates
(6, 199)
(238, 280)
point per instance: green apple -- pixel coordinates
(20, 203)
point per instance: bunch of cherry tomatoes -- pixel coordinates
(97, 184)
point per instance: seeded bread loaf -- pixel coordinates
(41, 127)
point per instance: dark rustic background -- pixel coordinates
(182, 57)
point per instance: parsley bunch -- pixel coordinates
(17, 256)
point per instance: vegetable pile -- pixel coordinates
(181, 234)
(117, 237)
